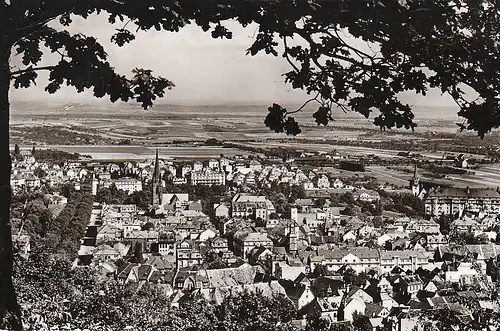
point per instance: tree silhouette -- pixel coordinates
(451, 45)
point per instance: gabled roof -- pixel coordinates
(302, 278)
(373, 310)
(159, 263)
(231, 276)
(293, 291)
(125, 270)
(144, 271)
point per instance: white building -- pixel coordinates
(208, 177)
(129, 185)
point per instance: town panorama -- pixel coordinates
(343, 227)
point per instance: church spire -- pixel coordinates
(156, 183)
(415, 184)
(157, 166)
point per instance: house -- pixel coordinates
(327, 308)
(245, 205)
(221, 210)
(197, 166)
(105, 253)
(166, 243)
(321, 182)
(174, 201)
(108, 232)
(350, 236)
(385, 285)
(387, 300)
(259, 254)
(434, 241)
(409, 285)
(255, 165)
(245, 242)
(208, 176)
(373, 310)
(383, 239)
(366, 195)
(353, 305)
(422, 226)
(219, 244)
(213, 164)
(300, 295)
(338, 184)
(308, 185)
(289, 269)
(188, 256)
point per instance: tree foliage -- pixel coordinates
(410, 46)
(53, 295)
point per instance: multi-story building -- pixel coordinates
(360, 259)
(187, 255)
(423, 226)
(166, 243)
(406, 260)
(208, 177)
(244, 205)
(126, 184)
(244, 242)
(454, 200)
(213, 164)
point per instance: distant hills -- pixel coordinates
(34, 108)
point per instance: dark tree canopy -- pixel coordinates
(414, 45)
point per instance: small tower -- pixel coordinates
(293, 237)
(156, 183)
(415, 184)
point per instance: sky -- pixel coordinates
(204, 70)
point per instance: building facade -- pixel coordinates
(455, 200)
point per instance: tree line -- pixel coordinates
(63, 234)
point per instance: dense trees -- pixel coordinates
(54, 295)
(63, 234)
(450, 45)
(54, 156)
(111, 195)
(404, 203)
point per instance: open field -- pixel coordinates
(143, 152)
(486, 176)
(166, 123)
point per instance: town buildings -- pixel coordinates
(301, 245)
(455, 200)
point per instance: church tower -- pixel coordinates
(156, 183)
(293, 236)
(415, 184)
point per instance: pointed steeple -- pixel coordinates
(157, 166)
(156, 183)
(415, 184)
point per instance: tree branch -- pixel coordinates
(18, 72)
(287, 57)
(305, 103)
